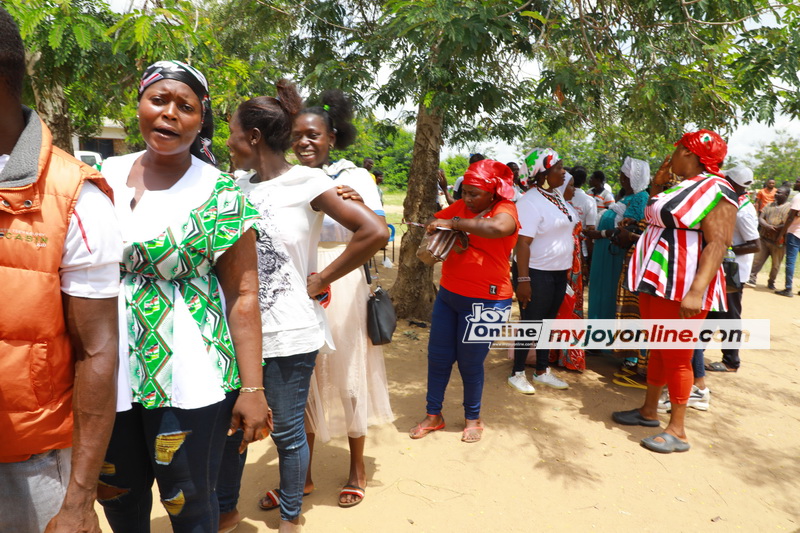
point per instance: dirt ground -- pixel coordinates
(555, 461)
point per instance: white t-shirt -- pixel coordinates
(746, 230)
(193, 385)
(602, 200)
(586, 207)
(345, 172)
(93, 246)
(291, 322)
(550, 229)
(794, 229)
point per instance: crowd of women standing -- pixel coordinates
(224, 335)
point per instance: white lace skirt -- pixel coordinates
(349, 390)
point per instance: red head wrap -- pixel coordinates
(492, 176)
(708, 146)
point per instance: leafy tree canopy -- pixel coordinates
(778, 160)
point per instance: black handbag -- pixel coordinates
(731, 269)
(381, 318)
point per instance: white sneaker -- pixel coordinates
(550, 380)
(698, 399)
(520, 383)
(664, 405)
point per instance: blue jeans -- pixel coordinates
(31, 491)
(286, 380)
(792, 247)
(698, 363)
(181, 449)
(445, 347)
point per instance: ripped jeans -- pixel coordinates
(181, 449)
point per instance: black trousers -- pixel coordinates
(731, 356)
(548, 288)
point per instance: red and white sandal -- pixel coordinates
(351, 490)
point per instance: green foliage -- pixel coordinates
(454, 167)
(778, 160)
(389, 146)
(667, 66)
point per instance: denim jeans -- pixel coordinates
(548, 288)
(699, 363)
(445, 347)
(181, 449)
(31, 491)
(286, 383)
(792, 247)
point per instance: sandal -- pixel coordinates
(628, 381)
(351, 490)
(418, 432)
(464, 438)
(671, 443)
(718, 366)
(272, 500)
(633, 418)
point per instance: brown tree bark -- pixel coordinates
(414, 291)
(51, 104)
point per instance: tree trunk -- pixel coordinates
(414, 291)
(51, 104)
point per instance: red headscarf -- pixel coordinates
(708, 146)
(492, 176)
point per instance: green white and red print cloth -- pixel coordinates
(668, 253)
(179, 265)
(538, 160)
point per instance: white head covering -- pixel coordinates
(638, 171)
(740, 175)
(563, 187)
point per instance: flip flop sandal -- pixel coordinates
(671, 444)
(351, 490)
(628, 381)
(273, 497)
(470, 441)
(417, 432)
(633, 418)
(624, 372)
(718, 366)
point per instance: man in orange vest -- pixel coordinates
(60, 248)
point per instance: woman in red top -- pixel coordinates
(476, 279)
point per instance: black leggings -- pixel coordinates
(548, 288)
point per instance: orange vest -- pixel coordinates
(36, 360)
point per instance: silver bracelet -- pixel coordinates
(523, 278)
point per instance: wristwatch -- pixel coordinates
(455, 222)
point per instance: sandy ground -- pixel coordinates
(556, 462)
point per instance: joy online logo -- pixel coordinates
(489, 324)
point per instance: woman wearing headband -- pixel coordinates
(544, 257)
(474, 279)
(190, 343)
(677, 270)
